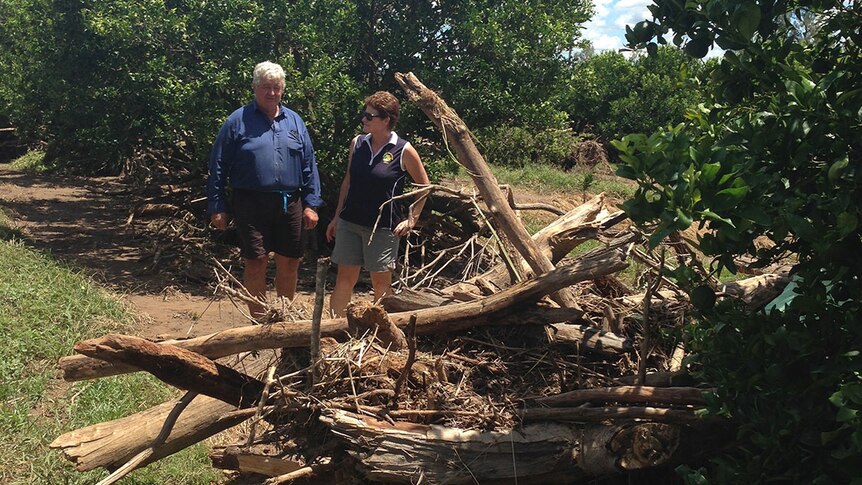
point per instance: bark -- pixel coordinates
(259, 458)
(488, 311)
(543, 453)
(113, 443)
(364, 316)
(176, 366)
(596, 415)
(627, 394)
(458, 137)
(757, 291)
(591, 339)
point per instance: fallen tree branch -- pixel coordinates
(627, 394)
(456, 317)
(458, 135)
(176, 366)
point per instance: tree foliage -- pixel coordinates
(773, 156)
(612, 95)
(105, 82)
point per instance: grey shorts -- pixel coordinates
(352, 247)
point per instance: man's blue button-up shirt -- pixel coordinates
(253, 153)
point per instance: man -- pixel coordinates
(264, 153)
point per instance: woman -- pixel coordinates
(378, 165)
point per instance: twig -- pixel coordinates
(646, 343)
(305, 471)
(507, 258)
(132, 464)
(260, 404)
(411, 357)
(319, 291)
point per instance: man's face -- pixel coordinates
(268, 94)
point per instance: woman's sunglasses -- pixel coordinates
(370, 116)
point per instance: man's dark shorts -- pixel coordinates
(263, 226)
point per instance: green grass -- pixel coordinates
(546, 179)
(32, 161)
(46, 308)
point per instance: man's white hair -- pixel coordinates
(267, 71)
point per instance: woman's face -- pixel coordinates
(374, 120)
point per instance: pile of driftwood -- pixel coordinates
(535, 371)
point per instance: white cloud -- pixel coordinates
(606, 30)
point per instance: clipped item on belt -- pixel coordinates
(286, 197)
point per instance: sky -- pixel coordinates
(607, 29)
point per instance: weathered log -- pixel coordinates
(488, 311)
(176, 366)
(261, 458)
(113, 443)
(544, 453)
(556, 240)
(627, 394)
(596, 415)
(591, 339)
(757, 291)
(364, 316)
(458, 136)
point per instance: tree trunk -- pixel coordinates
(461, 316)
(113, 443)
(543, 453)
(259, 458)
(176, 366)
(458, 136)
(627, 394)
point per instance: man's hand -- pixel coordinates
(219, 221)
(309, 218)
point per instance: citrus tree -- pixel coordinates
(769, 166)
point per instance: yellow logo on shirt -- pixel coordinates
(387, 157)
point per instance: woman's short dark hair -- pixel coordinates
(385, 102)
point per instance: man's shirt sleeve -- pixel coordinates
(310, 176)
(221, 160)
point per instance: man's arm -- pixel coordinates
(310, 176)
(219, 166)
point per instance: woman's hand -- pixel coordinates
(404, 227)
(330, 230)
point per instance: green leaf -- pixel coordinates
(626, 171)
(837, 169)
(712, 216)
(709, 171)
(703, 297)
(747, 19)
(683, 221)
(697, 48)
(730, 197)
(847, 223)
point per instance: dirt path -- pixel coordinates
(73, 220)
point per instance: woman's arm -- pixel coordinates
(342, 194)
(413, 165)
